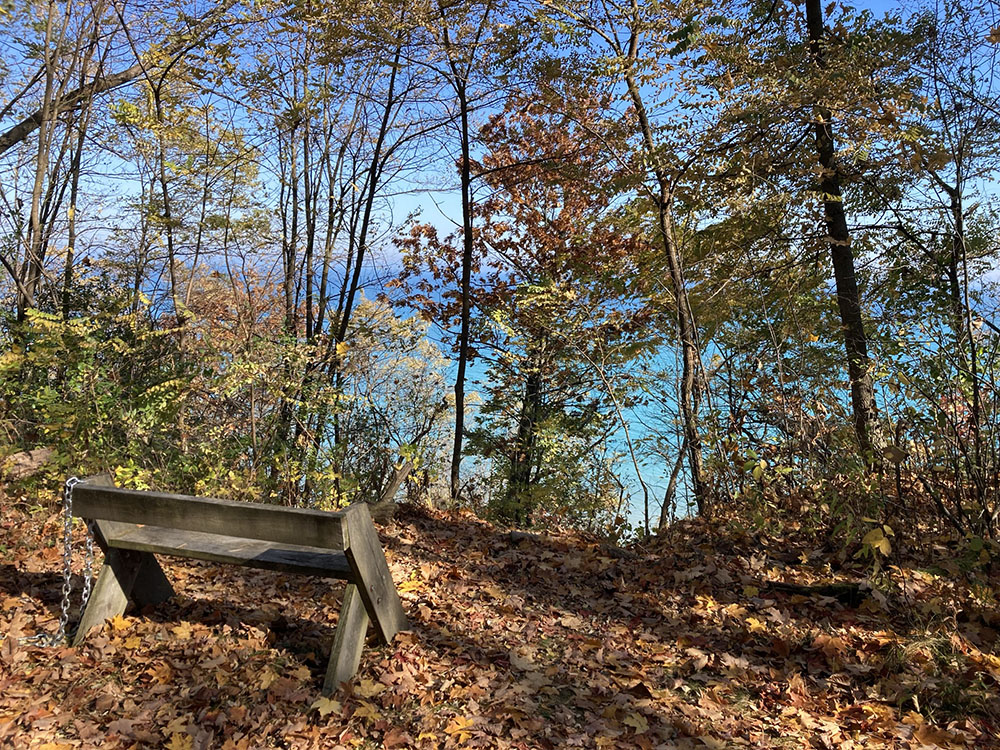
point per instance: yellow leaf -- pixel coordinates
(411, 585)
(342, 348)
(119, 623)
(459, 724)
(755, 625)
(873, 537)
(458, 728)
(367, 711)
(133, 642)
(368, 688)
(183, 631)
(326, 706)
(707, 602)
(179, 741)
(876, 539)
(267, 678)
(637, 722)
(302, 673)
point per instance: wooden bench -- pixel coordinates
(132, 527)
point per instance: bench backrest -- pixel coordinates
(270, 523)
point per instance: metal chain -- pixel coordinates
(59, 637)
(88, 567)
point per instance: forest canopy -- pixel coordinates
(563, 263)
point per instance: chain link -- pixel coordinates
(59, 637)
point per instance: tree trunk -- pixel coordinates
(523, 456)
(34, 254)
(686, 329)
(74, 193)
(466, 314)
(848, 297)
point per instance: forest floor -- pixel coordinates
(551, 642)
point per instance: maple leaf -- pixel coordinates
(411, 585)
(458, 728)
(756, 626)
(267, 678)
(326, 706)
(180, 741)
(368, 688)
(366, 710)
(637, 721)
(119, 623)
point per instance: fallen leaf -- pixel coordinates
(179, 741)
(637, 721)
(326, 706)
(368, 688)
(458, 728)
(366, 710)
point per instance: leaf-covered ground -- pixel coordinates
(534, 643)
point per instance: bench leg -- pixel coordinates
(151, 586)
(371, 573)
(110, 594)
(348, 641)
(125, 574)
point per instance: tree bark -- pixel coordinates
(845, 277)
(686, 327)
(466, 313)
(523, 456)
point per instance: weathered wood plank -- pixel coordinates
(349, 641)
(111, 591)
(233, 550)
(106, 600)
(296, 526)
(371, 574)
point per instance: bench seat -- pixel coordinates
(285, 558)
